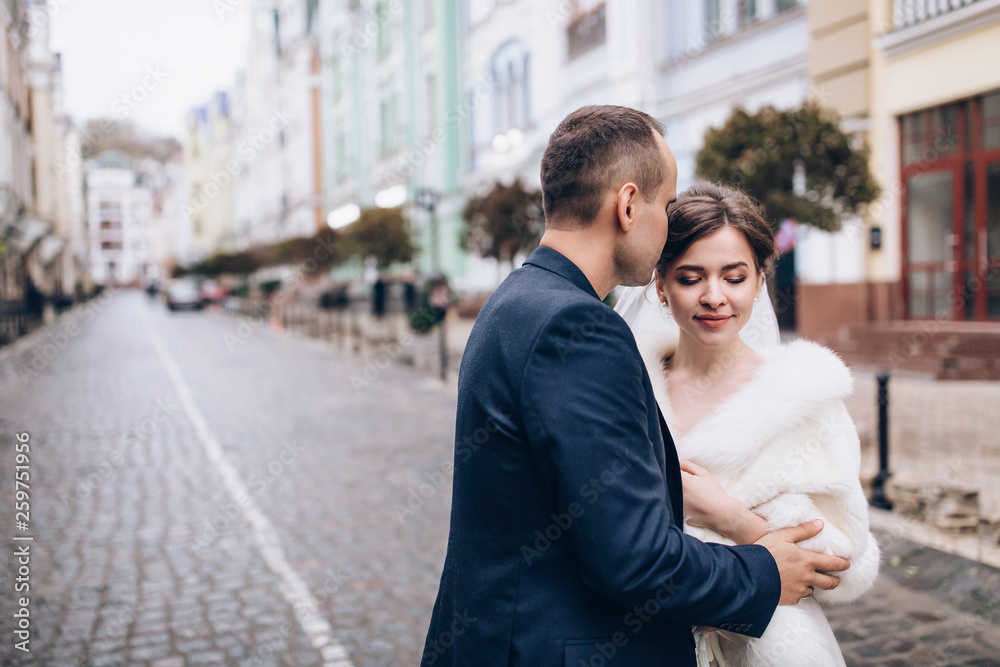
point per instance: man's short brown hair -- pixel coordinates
(593, 150)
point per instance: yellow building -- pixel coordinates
(920, 81)
(209, 173)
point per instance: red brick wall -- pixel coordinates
(823, 310)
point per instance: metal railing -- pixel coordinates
(16, 320)
(906, 13)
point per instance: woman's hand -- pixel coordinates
(707, 504)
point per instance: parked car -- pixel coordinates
(184, 294)
(212, 292)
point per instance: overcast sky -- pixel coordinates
(147, 61)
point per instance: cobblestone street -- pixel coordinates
(207, 492)
(142, 554)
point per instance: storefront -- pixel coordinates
(950, 167)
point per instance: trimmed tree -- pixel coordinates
(503, 222)
(382, 233)
(238, 263)
(761, 153)
(323, 248)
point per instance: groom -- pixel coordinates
(566, 543)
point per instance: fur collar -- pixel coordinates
(794, 383)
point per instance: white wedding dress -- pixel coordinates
(785, 447)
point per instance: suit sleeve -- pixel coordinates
(587, 418)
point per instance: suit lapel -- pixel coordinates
(671, 471)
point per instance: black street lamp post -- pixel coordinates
(427, 199)
(878, 486)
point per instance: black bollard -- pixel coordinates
(878, 487)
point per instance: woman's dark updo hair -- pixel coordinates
(705, 208)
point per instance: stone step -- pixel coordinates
(946, 350)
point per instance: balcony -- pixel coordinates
(586, 30)
(906, 13)
(920, 23)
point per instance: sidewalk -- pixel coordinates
(944, 432)
(926, 608)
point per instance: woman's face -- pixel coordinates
(711, 288)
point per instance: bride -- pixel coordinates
(757, 424)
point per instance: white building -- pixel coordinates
(119, 211)
(276, 123)
(169, 229)
(722, 54)
(717, 55)
(529, 64)
(688, 64)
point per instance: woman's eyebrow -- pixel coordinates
(727, 267)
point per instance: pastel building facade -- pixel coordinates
(42, 249)
(119, 212)
(16, 194)
(210, 175)
(393, 119)
(276, 120)
(916, 78)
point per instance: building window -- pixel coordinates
(389, 135)
(587, 27)
(991, 121)
(787, 4)
(950, 159)
(510, 79)
(432, 119)
(336, 79)
(713, 20)
(277, 33)
(312, 13)
(383, 19)
(748, 13)
(429, 14)
(340, 157)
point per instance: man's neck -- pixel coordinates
(590, 254)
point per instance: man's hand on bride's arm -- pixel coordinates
(801, 570)
(707, 504)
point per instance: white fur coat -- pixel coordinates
(785, 447)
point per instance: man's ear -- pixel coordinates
(626, 199)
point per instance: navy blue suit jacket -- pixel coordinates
(566, 544)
